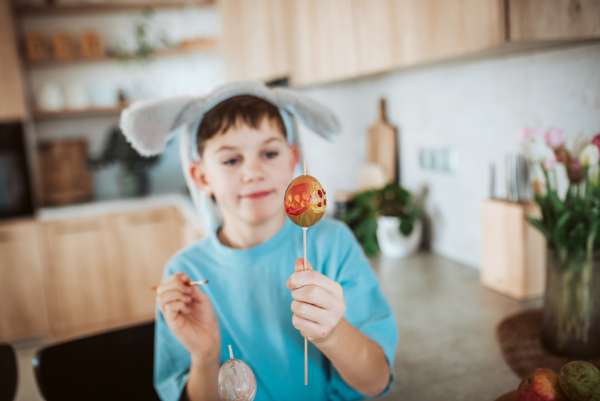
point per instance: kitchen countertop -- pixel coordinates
(446, 324)
(447, 330)
(112, 206)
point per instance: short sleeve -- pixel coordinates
(171, 359)
(367, 309)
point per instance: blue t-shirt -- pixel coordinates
(247, 290)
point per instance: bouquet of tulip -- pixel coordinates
(567, 189)
(566, 186)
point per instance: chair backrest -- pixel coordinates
(8, 372)
(117, 365)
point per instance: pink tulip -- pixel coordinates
(575, 172)
(596, 140)
(555, 138)
(550, 161)
(526, 132)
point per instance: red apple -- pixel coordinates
(540, 385)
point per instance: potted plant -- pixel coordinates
(567, 189)
(385, 219)
(133, 179)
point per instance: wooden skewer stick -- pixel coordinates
(304, 165)
(230, 352)
(189, 283)
(305, 340)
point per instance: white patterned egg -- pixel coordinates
(236, 381)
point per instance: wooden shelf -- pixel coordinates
(105, 7)
(41, 115)
(211, 45)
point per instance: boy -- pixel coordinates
(253, 301)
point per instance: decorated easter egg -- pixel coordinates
(236, 381)
(305, 201)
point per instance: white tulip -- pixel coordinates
(537, 151)
(560, 180)
(538, 179)
(590, 156)
(594, 176)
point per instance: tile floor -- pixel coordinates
(446, 324)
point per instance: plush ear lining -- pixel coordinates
(310, 113)
(147, 124)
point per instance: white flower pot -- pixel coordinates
(391, 241)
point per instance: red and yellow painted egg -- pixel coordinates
(305, 201)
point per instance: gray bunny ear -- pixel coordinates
(313, 115)
(147, 124)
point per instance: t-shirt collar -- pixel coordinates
(269, 245)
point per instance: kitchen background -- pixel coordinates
(473, 108)
(461, 77)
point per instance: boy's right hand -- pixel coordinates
(190, 316)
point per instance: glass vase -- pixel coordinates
(571, 319)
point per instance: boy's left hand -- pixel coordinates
(318, 304)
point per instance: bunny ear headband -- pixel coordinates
(148, 125)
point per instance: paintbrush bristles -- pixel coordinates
(189, 283)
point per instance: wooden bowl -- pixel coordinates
(512, 396)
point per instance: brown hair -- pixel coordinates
(246, 109)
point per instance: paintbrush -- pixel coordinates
(199, 282)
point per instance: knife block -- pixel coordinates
(513, 252)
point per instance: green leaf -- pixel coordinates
(592, 235)
(577, 236)
(561, 233)
(406, 227)
(367, 206)
(540, 226)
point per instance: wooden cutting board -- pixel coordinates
(382, 145)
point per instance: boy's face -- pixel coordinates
(247, 170)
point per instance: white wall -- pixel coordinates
(472, 107)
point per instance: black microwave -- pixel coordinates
(16, 198)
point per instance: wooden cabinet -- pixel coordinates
(22, 298)
(254, 39)
(431, 30)
(377, 42)
(322, 40)
(330, 40)
(152, 238)
(80, 275)
(12, 100)
(539, 20)
(72, 277)
(398, 33)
